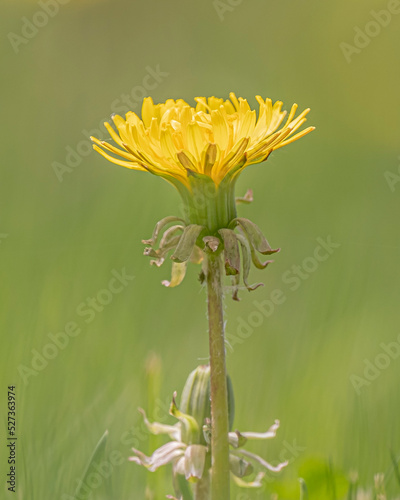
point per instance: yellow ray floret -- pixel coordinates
(212, 138)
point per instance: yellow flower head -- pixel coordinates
(217, 138)
(201, 150)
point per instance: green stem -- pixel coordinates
(220, 475)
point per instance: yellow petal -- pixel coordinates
(291, 114)
(196, 140)
(295, 137)
(246, 125)
(132, 118)
(147, 111)
(215, 102)
(154, 129)
(133, 166)
(220, 129)
(201, 104)
(229, 107)
(113, 149)
(235, 157)
(234, 100)
(167, 143)
(114, 136)
(243, 106)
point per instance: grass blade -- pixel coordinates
(303, 489)
(395, 462)
(331, 479)
(82, 491)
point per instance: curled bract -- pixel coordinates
(239, 245)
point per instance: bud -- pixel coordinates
(196, 397)
(189, 449)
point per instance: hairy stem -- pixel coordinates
(220, 475)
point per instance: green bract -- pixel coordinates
(210, 226)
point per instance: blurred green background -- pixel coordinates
(62, 236)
